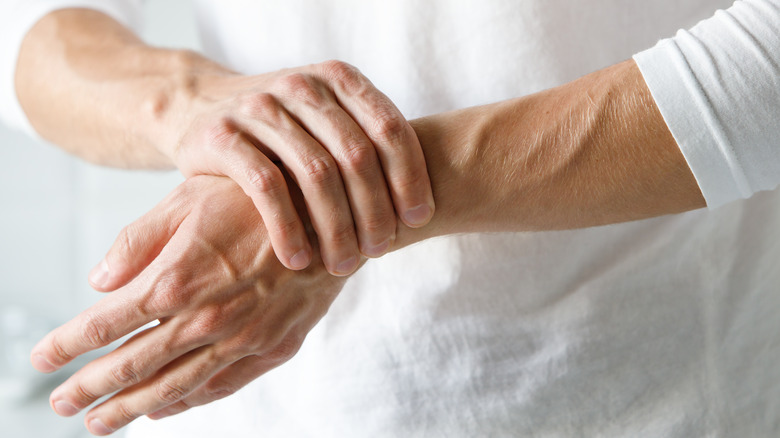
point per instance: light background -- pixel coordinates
(58, 216)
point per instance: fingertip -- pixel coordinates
(63, 408)
(300, 260)
(97, 427)
(99, 276)
(418, 216)
(157, 415)
(41, 364)
(345, 267)
(378, 250)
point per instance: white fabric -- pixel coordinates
(718, 88)
(657, 328)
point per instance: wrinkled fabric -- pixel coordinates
(718, 88)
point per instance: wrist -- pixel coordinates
(453, 145)
(187, 81)
(591, 152)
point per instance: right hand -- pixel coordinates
(350, 150)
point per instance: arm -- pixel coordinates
(591, 152)
(598, 150)
(563, 158)
(91, 86)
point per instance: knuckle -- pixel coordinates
(83, 396)
(210, 320)
(262, 105)
(320, 170)
(284, 351)
(217, 321)
(359, 159)
(388, 126)
(169, 392)
(95, 331)
(125, 375)
(221, 135)
(343, 235)
(169, 294)
(59, 354)
(378, 224)
(221, 390)
(286, 227)
(266, 180)
(248, 340)
(126, 414)
(300, 87)
(342, 72)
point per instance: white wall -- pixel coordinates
(58, 216)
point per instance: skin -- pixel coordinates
(591, 152)
(92, 87)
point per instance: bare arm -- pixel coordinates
(591, 152)
(91, 86)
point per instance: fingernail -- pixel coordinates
(41, 364)
(418, 215)
(98, 428)
(347, 266)
(65, 409)
(157, 415)
(300, 260)
(99, 274)
(378, 250)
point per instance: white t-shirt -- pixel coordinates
(661, 328)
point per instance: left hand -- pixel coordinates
(228, 311)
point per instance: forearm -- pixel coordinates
(91, 86)
(591, 152)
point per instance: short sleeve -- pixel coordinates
(17, 17)
(717, 86)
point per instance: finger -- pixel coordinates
(168, 386)
(137, 245)
(317, 175)
(137, 359)
(234, 377)
(396, 143)
(108, 320)
(226, 382)
(318, 112)
(264, 183)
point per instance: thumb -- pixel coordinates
(136, 246)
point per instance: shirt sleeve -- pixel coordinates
(16, 19)
(717, 86)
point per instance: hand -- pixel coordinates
(228, 311)
(117, 101)
(352, 153)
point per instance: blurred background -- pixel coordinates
(58, 218)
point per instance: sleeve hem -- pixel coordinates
(688, 116)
